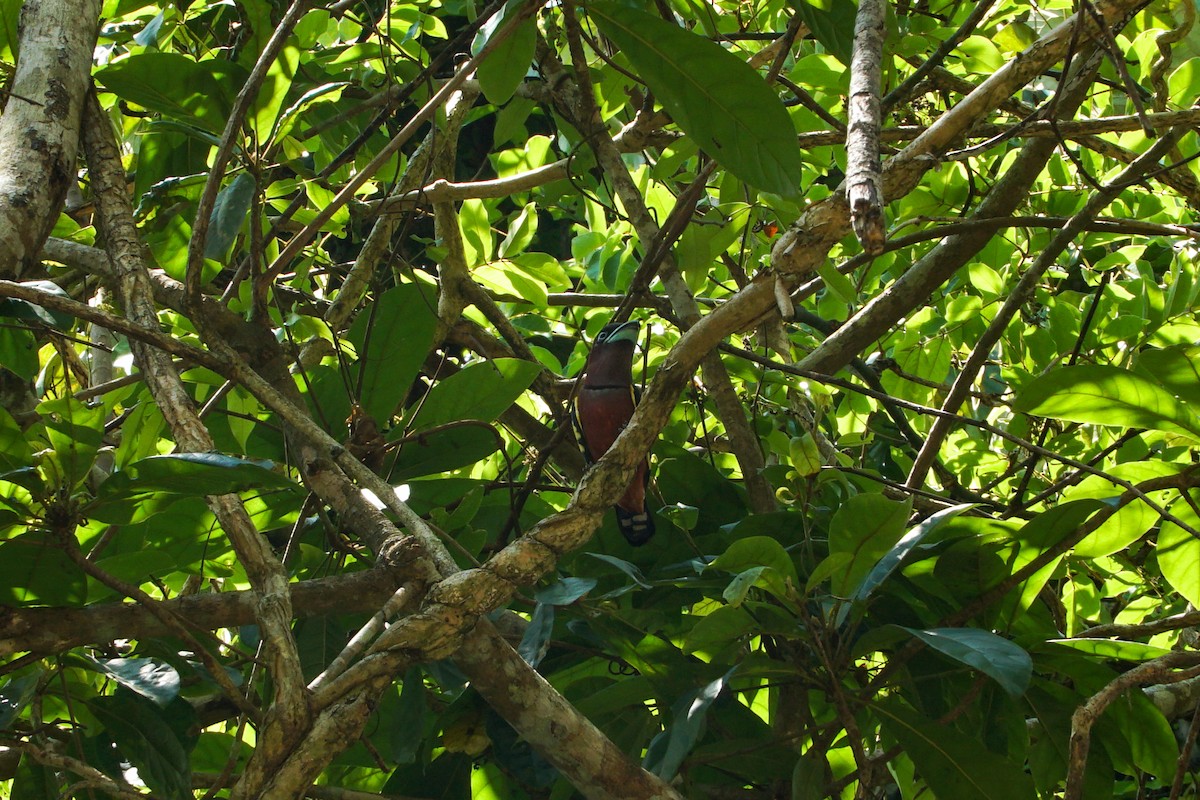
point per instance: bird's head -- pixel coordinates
(611, 361)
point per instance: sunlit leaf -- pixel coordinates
(711, 94)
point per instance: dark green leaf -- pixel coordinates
(714, 96)
(952, 764)
(565, 591)
(228, 215)
(34, 781)
(194, 475)
(31, 312)
(479, 392)
(442, 451)
(536, 639)
(16, 694)
(1006, 663)
(408, 723)
(146, 736)
(34, 571)
(1104, 395)
(15, 452)
(392, 339)
(831, 23)
(689, 715)
(76, 433)
(152, 679)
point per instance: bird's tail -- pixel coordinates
(636, 528)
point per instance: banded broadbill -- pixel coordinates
(603, 406)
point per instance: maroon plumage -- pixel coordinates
(603, 405)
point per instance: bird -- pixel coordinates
(603, 406)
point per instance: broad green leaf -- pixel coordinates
(154, 680)
(16, 693)
(1038, 535)
(76, 433)
(1104, 395)
(228, 215)
(831, 23)
(714, 96)
(32, 312)
(408, 723)
(442, 451)
(34, 781)
(998, 658)
(758, 561)
(565, 591)
(392, 338)
(146, 735)
(867, 526)
(719, 629)
(480, 391)
(195, 475)
(268, 103)
(503, 70)
(689, 715)
(180, 87)
(1176, 368)
(535, 642)
(953, 765)
(1130, 522)
(1113, 648)
(19, 352)
(15, 452)
(890, 561)
(1178, 553)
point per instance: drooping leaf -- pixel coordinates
(689, 715)
(194, 475)
(503, 70)
(147, 737)
(714, 96)
(76, 432)
(32, 312)
(16, 693)
(757, 560)
(1106, 395)
(831, 23)
(998, 658)
(392, 339)
(228, 214)
(535, 642)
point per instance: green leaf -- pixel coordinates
(998, 658)
(867, 526)
(953, 765)
(180, 87)
(152, 679)
(228, 214)
(1179, 552)
(442, 451)
(273, 93)
(714, 96)
(1104, 395)
(757, 561)
(1113, 648)
(408, 723)
(503, 70)
(34, 571)
(831, 23)
(193, 475)
(76, 433)
(145, 735)
(893, 558)
(719, 629)
(1177, 369)
(392, 339)
(32, 312)
(15, 452)
(688, 717)
(479, 391)
(16, 693)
